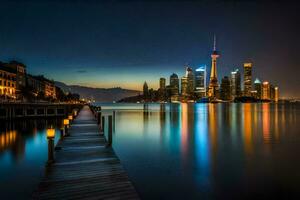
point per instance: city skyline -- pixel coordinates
(76, 48)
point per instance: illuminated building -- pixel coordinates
(20, 70)
(162, 89)
(235, 82)
(276, 94)
(184, 86)
(190, 77)
(200, 81)
(7, 82)
(266, 91)
(174, 87)
(213, 82)
(258, 88)
(225, 92)
(41, 85)
(187, 83)
(247, 78)
(174, 83)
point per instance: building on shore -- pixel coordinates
(162, 89)
(235, 83)
(258, 88)
(174, 87)
(265, 90)
(42, 86)
(213, 88)
(200, 82)
(225, 93)
(276, 94)
(8, 85)
(184, 87)
(247, 79)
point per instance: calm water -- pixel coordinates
(176, 151)
(210, 151)
(23, 154)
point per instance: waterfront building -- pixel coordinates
(20, 70)
(42, 86)
(272, 92)
(7, 82)
(225, 93)
(174, 83)
(276, 94)
(184, 86)
(145, 91)
(190, 78)
(200, 82)
(162, 89)
(213, 82)
(174, 87)
(247, 78)
(258, 88)
(266, 91)
(235, 82)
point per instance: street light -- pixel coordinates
(66, 124)
(50, 137)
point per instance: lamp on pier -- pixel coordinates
(50, 137)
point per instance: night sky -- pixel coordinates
(124, 43)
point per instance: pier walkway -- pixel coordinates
(84, 167)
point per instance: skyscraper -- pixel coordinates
(276, 95)
(190, 76)
(247, 79)
(162, 89)
(200, 81)
(225, 93)
(235, 82)
(258, 88)
(213, 82)
(184, 86)
(266, 91)
(174, 84)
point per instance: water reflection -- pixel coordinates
(205, 150)
(23, 154)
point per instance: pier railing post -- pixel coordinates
(99, 118)
(109, 130)
(50, 138)
(102, 124)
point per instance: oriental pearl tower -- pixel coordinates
(213, 87)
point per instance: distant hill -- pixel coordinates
(98, 94)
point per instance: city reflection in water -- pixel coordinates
(206, 150)
(181, 151)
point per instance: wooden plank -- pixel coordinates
(84, 167)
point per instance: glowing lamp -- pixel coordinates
(50, 133)
(66, 122)
(75, 112)
(70, 117)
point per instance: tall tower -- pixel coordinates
(213, 82)
(247, 78)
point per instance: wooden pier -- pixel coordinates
(84, 167)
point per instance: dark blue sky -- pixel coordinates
(123, 43)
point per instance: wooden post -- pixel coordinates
(114, 120)
(99, 118)
(102, 124)
(109, 130)
(50, 151)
